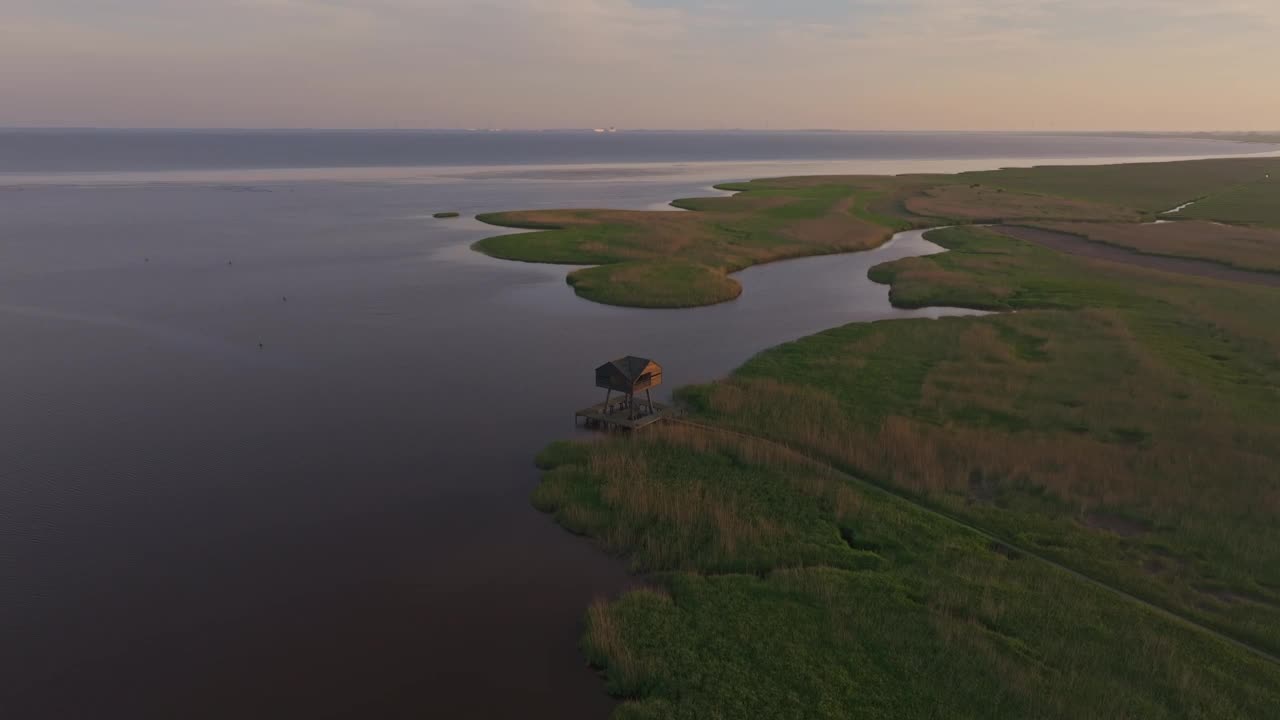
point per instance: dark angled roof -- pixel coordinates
(630, 366)
(629, 374)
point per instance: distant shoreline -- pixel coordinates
(54, 155)
(1243, 135)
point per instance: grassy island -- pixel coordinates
(1067, 511)
(674, 259)
(445, 215)
(682, 259)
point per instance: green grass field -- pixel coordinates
(1255, 203)
(673, 259)
(1150, 187)
(781, 589)
(1122, 422)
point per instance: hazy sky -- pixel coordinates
(868, 64)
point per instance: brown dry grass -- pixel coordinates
(926, 458)
(721, 235)
(1242, 247)
(710, 515)
(811, 478)
(839, 228)
(627, 483)
(1144, 428)
(989, 204)
(1171, 470)
(652, 234)
(605, 642)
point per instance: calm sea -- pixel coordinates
(131, 150)
(266, 428)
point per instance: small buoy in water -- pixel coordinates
(259, 346)
(146, 259)
(284, 299)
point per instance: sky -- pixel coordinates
(857, 64)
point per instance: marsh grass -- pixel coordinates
(1148, 187)
(941, 624)
(978, 203)
(1120, 421)
(665, 259)
(681, 259)
(1139, 396)
(1256, 202)
(731, 513)
(654, 283)
(1234, 246)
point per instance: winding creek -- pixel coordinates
(270, 448)
(1181, 207)
(346, 507)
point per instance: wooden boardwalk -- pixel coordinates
(616, 414)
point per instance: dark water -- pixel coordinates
(336, 523)
(124, 150)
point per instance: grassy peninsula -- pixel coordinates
(1071, 510)
(674, 259)
(682, 259)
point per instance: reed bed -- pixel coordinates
(942, 620)
(1137, 439)
(1122, 422)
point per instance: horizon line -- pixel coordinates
(615, 130)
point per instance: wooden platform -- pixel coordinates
(616, 415)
